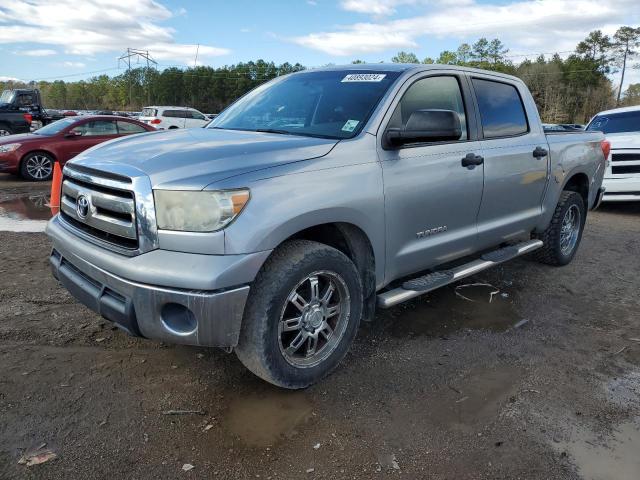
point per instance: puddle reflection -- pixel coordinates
(25, 214)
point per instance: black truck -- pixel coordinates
(19, 108)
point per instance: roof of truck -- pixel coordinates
(635, 108)
(405, 67)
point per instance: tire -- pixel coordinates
(283, 291)
(5, 130)
(37, 167)
(560, 248)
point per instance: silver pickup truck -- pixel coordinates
(314, 199)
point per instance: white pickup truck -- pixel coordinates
(622, 128)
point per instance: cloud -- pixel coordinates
(74, 64)
(99, 26)
(41, 52)
(10, 79)
(313, 3)
(526, 25)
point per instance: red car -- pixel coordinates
(32, 154)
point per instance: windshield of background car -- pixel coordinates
(616, 122)
(56, 127)
(328, 104)
(7, 96)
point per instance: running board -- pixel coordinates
(427, 283)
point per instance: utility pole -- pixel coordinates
(137, 53)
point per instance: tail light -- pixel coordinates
(28, 117)
(606, 148)
(155, 121)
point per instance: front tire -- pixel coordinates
(562, 236)
(302, 314)
(37, 167)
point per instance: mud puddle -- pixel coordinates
(613, 457)
(475, 306)
(264, 418)
(25, 214)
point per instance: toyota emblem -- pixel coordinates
(82, 206)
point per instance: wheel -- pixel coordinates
(5, 131)
(302, 314)
(562, 236)
(37, 167)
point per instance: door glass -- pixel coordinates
(501, 109)
(96, 128)
(431, 93)
(128, 128)
(197, 115)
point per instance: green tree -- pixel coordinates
(626, 42)
(404, 57)
(632, 95)
(480, 50)
(596, 47)
(447, 57)
(464, 54)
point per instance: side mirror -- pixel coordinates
(73, 134)
(427, 126)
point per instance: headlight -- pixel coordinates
(198, 211)
(9, 147)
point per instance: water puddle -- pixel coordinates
(25, 214)
(476, 306)
(263, 419)
(610, 458)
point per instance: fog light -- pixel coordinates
(178, 319)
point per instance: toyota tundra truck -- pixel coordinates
(315, 199)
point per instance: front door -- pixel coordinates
(515, 176)
(87, 135)
(431, 199)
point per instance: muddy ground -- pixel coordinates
(541, 382)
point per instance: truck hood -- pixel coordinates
(624, 140)
(191, 159)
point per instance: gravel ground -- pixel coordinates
(541, 382)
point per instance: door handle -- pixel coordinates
(471, 160)
(540, 152)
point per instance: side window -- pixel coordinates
(172, 113)
(501, 109)
(196, 115)
(128, 128)
(442, 92)
(95, 128)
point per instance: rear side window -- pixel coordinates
(128, 128)
(501, 109)
(616, 122)
(149, 112)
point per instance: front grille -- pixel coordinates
(618, 170)
(625, 157)
(108, 215)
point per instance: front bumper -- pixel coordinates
(621, 189)
(9, 162)
(178, 306)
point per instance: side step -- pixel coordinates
(427, 283)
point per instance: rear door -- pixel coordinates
(195, 119)
(431, 199)
(514, 148)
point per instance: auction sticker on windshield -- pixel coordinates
(364, 77)
(350, 125)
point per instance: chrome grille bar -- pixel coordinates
(109, 211)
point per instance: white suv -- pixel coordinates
(622, 128)
(165, 118)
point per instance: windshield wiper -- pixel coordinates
(273, 130)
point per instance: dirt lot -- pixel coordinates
(541, 382)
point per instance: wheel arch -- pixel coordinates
(578, 182)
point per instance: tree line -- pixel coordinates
(567, 89)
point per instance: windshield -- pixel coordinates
(616, 122)
(330, 104)
(7, 96)
(56, 127)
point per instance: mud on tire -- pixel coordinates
(558, 249)
(304, 291)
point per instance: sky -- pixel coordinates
(76, 39)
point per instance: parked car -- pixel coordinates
(21, 110)
(622, 128)
(314, 198)
(32, 155)
(168, 118)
